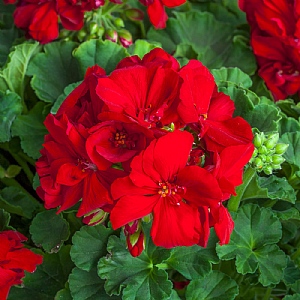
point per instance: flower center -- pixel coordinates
(174, 192)
(86, 165)
(123, 140)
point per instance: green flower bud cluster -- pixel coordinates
(267, 155)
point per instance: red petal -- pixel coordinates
(69, 174)
(171, 153)
(132, 207)
(175, 225)
(157, 14)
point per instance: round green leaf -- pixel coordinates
(292, 154)
(49, 230)
(252, 243)
(106, 54)
(89, 245)
(215, 285)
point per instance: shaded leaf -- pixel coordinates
(215, 285)
(86, 285)
(53, 70)
(10, 107)
(49, 230)
(4, 219)
(15, 201)
(89, 245)
(12, 76)
(252, 243)
(106, 54)
(31, 130)
(292, 154)
(49, 278)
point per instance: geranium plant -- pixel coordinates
(147, 152)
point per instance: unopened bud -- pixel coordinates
(268, 170)
(272, 140)
(134, 14)
(277, 159)
(125, 38)
(258, 163)
(119, 22)
(258, 139)
(93, 27)
(262, 150)
(95, 217)
(136, 245)
(281, 148)
(111, 35)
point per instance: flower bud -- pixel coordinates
(119, 22)
(111, 35)
(125, 38)
(281, 148)
(277, 159)
(134, 14)
(258, 139)
(262, 150)
(258, 163)
(93, 28)
(268, 170)
(81, 34)
(100, 32)
(272, 140)
(136, 243)
(95, 217)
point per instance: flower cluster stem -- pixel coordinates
(234, 201)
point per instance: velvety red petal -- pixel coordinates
(173, 3)
(157, 14)
(202, 188)
(132, 207)
(196, 91)
(70, 174)
(8, 278)
(23, 259)
(174, 225)
(171, 153)
(71, 16)
(70, 195)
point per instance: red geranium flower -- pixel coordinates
(275, 34)
(156, 10)
(208, 111)
(14, 260)
(162, 184)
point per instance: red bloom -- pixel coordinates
(275, 33)
(14, 260)
(156, 10)
(40, 18)
(162, 184)
(66, 172)
(147, 95)
(209, 112)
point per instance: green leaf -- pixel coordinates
(7, 37)
(217, 46)
(291, 273)
(10, 107)
(215, 285)
(142, 47)
(292, 154)
(31, 130)
(139, 275)
(232, 75)
(194, 261)
(4, 219)
(86, 285)
(15, 201)
(53, 70)
(89, 245)
(12, 76)
(63, 96)
(288, 124)
(278, 188)
(49, 278)
(292, 297)
(49, 230)
(252, 243)
(264, 117)
(106, 54)
(64, 294)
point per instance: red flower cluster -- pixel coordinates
(156, 10)
(14, 259)
(39, 18)
(275, 33)
(150, 139)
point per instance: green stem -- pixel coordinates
(295, 254)
(267, 294)
(24, 166)
(234, 201)
(27, 158)
(15, 183)
(143, 31)
(162, 266)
